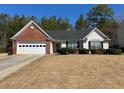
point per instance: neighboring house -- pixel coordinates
(121, 34)
(32, 39)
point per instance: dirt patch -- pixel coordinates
(70, 71)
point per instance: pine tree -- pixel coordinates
(79, 25)
(98, 15)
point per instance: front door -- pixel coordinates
(56, 46)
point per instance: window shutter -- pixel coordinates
(78, 45)
(89, 44)
(67, 44)
(101, 45)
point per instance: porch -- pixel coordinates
(93, 44)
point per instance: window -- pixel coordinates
(44, 45)
(37, 45)
(30, 45)
(40, 45)
(72, 45)
(19, 45)
(23, 45)
(95, 45)
(26, 45)
(33, 45)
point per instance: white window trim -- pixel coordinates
(96, 44)
(72, 45)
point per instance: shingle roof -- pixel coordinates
(67, 35)
(61, 35)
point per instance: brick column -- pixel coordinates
(47, 47)
(14, 46)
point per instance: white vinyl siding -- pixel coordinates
(94, 36)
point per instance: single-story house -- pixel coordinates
(32, 39)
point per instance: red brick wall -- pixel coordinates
(31, 34)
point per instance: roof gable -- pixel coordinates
(31, 33)
(26, 26)
(98, 32)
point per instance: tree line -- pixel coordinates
(100, 16)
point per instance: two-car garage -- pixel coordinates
(31, 48)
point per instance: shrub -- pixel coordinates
(101, 51)
(114, 51)
(83, 51)
(105, 51)
(63, 51)
(115, 46)
(118, 51)
(122, 48)
(110, 51)
(97, 51)
(93, 51)
(73, 51)
(10, 51)
(2, 50)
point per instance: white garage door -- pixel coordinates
(31, 48)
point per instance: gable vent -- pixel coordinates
(32, 27)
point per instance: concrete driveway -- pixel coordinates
(13, 63)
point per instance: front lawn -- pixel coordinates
(70, 71)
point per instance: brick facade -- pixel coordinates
(31, 35)
(34, 35)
